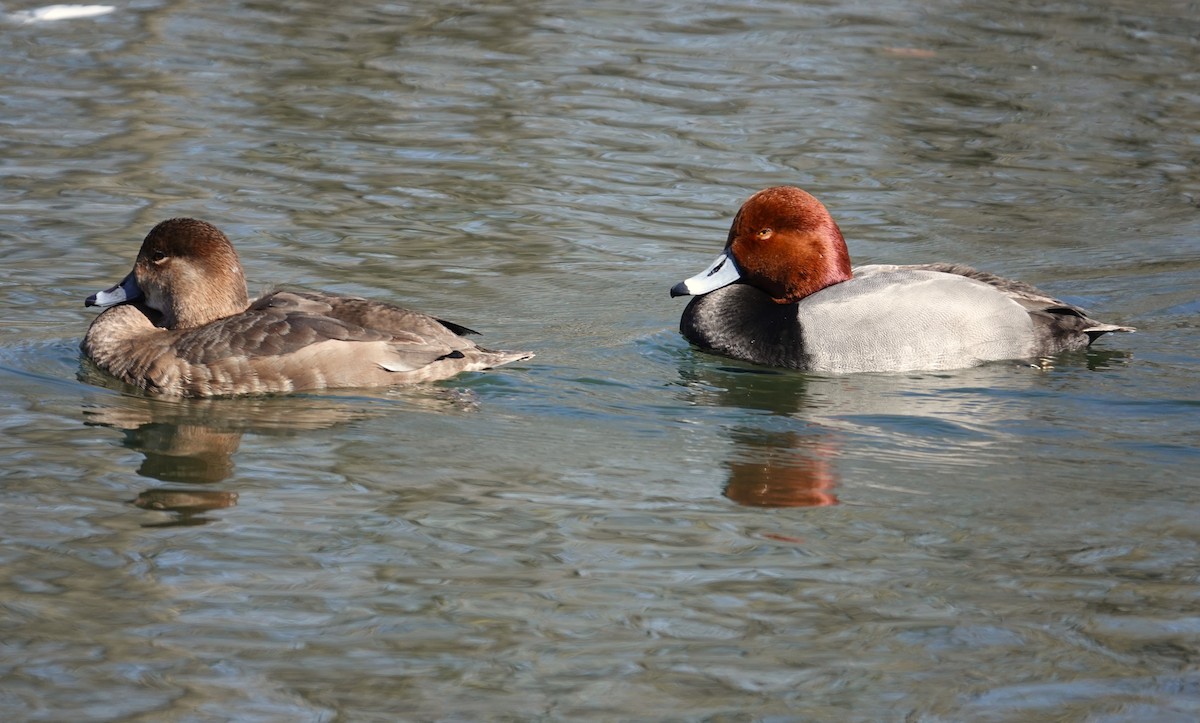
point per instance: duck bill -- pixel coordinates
(722, 272)
(127, 290)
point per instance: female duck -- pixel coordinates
(181, 325)
(800, 305)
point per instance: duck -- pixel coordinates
(181, 324)
(783, 294)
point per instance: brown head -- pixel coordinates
(188, 271)
(785, 243)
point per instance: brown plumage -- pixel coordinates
(181, 324)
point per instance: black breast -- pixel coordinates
(742, 322)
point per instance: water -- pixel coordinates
(621, 527)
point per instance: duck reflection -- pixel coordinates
(188, 505)
(194, 442)
(188, 453)
(787, 456)
(781, 393)
(770, 467)
(781, 469)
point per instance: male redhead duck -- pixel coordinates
(182, 325)
(799, 305)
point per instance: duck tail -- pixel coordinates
(496, 357)
(1097, 330)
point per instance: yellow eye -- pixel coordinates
(765, 233)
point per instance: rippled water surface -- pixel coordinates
(622, 527)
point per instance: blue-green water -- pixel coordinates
(621, 528)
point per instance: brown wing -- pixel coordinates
(266, 332)
(367, 314)
(286, 322)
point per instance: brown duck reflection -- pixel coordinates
(193, 442)
(188, 505)
(183, 452)
(781, 469)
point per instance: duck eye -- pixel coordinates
(158, 255)
(765, 233)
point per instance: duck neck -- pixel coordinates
(205, 305)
